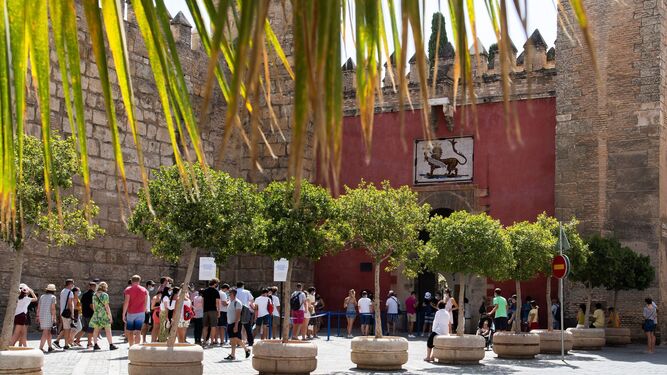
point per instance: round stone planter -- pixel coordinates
(468, 349)
(276, 357)
(516, 345)
(550, 341)
(617, 336)
(23, 361)
(157, 358)
(587, 338)
(387, 353)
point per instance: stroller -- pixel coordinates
(488, 334)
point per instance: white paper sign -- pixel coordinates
(207, 268)
(280, 269)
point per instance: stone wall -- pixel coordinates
(610, 163)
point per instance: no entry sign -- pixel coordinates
(560, 266)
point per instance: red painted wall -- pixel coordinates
(518, 171)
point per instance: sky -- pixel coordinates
(541, 15)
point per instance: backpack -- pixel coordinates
(246, 315)
(295, 301)
(188, 313)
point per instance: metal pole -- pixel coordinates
(560, 297)
(282, 291)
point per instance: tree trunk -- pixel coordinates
(12, 300)
(460, 330)
(550, 317)
(517, 308)
(589, 290)
(376, 302)
(286, 306)
(176, 317)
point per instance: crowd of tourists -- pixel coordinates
(222, 314)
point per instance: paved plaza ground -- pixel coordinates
(334, 358)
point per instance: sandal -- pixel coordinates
(230, 358)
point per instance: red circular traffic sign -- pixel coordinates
(560, 266)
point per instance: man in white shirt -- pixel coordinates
(66, 302)
(263, 304)
(392, 312)
(441, 323)
(222, 320)
(365, 312)
(245, 297)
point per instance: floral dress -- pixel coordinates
(100, 317)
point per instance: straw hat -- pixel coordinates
(51, 288)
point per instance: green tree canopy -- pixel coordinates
(578, 251)
(437, 23)
(532, 246)
(220, 213)
(604, 257)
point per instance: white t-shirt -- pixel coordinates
(364, 304)
(225, 301)
(165, 303)
(65, 294)
(262, 306)
(22, 305)
(276, 303)
(244, 296)
(148, 300)
(392, 305)
(441, 322)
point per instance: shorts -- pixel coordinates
(649, 325)
(21, 319)
(134, 321)
(67, 323)
(184, 324)
(297, 316)
(262, 321)
(351, 314)
(85, 324)
(500, 323)
(428, 319)
(429, 342)
(210, 318)
(412, 318)
(233, 332)
(392, 318)
(222, 320)
(365, 319)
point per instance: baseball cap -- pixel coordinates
(427, 295)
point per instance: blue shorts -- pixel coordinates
(135, 321)
(365, 318)
(351, 314)
(649, 325)
(392, 318)
(262, 320)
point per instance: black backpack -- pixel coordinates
(295, 301)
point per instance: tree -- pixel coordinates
(604, 257)
(38, 221)
(531, 245)
(631, 271)
(438, 39)
(216, 213)
(467, 244)
(309, 227)
(386, 223)
(577, 252)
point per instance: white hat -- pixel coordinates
(51, 288)
(427, 295)
(23, 286)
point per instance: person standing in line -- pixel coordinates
(234, 325)
(441, 326)
(262, 322)
(555, 312)
(25, 298)
(198, 320)
(275, 316)
(186, 314)
(165, 314)
(533, 316)
(148, 315)
(156, 305)
(245, 297)
(499, 311)
(467, 315)
(428, 312)
(134, 310)
(411, 312)
(66, 311)
(46, 316)
(211, 311)
(392, 312)
(365, 312)
(613, 320)
(298, 310)
(222, 321)
(102, 318)
(86, 314)
(310, 312)
(452, 308)
(598, 317)
(319, 310)
(350, 306)
(650, 314)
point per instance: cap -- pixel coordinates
(51, 288)
(150, 282)
(91, 282)
(427, 295)
(96, 281)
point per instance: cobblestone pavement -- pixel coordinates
(334, 358)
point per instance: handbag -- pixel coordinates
(67, 313)
(54, 329)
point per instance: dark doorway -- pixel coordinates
(426, 280)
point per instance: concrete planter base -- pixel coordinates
(157, 359)
(275, 357)
(468, 349)
(617, 336)
(516, 345)
(387, 353)
(21, 361)
(588, 338)
(550, 341)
